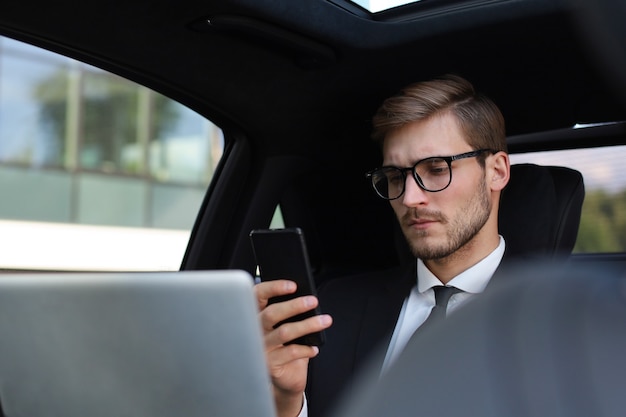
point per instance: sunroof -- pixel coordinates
(375, 6)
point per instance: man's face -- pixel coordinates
(438, 224)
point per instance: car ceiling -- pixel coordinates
(525, 54)
(304, 77)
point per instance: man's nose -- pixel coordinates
(414, 195)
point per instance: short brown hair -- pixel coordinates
(479, 118)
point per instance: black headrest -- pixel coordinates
(540, 210)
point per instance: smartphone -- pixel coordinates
(282, 254)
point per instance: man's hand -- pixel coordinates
(287, 364)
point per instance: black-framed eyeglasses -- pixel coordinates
(432, 174)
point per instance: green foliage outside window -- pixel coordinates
(603, 223)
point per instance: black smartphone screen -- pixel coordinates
(282, 254)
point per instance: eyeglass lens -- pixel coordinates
(434, 175)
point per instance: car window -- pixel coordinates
(603, 220)
(96, 172)
(277, 219)
(375, 6)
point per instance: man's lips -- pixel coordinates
(420, 222)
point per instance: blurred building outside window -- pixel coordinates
(84, 153)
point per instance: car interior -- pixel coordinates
(558, 195)
(320, 70)
(293, 85)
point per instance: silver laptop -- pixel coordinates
(132, 344)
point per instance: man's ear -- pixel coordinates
(500, 170)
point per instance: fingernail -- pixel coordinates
(309, 301)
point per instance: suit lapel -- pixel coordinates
(381, 314)
(507, 263)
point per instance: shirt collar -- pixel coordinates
(472, 280)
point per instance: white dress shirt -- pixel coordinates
(421, 300)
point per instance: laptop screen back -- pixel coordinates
(131, 344)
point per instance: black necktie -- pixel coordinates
(438, 313)
(442, 296)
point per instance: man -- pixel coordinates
(445, 164)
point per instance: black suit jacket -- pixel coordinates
(365, 309)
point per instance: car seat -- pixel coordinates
(540, 210)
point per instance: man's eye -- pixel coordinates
(437, 167)
(395, 178)
(438, 170)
